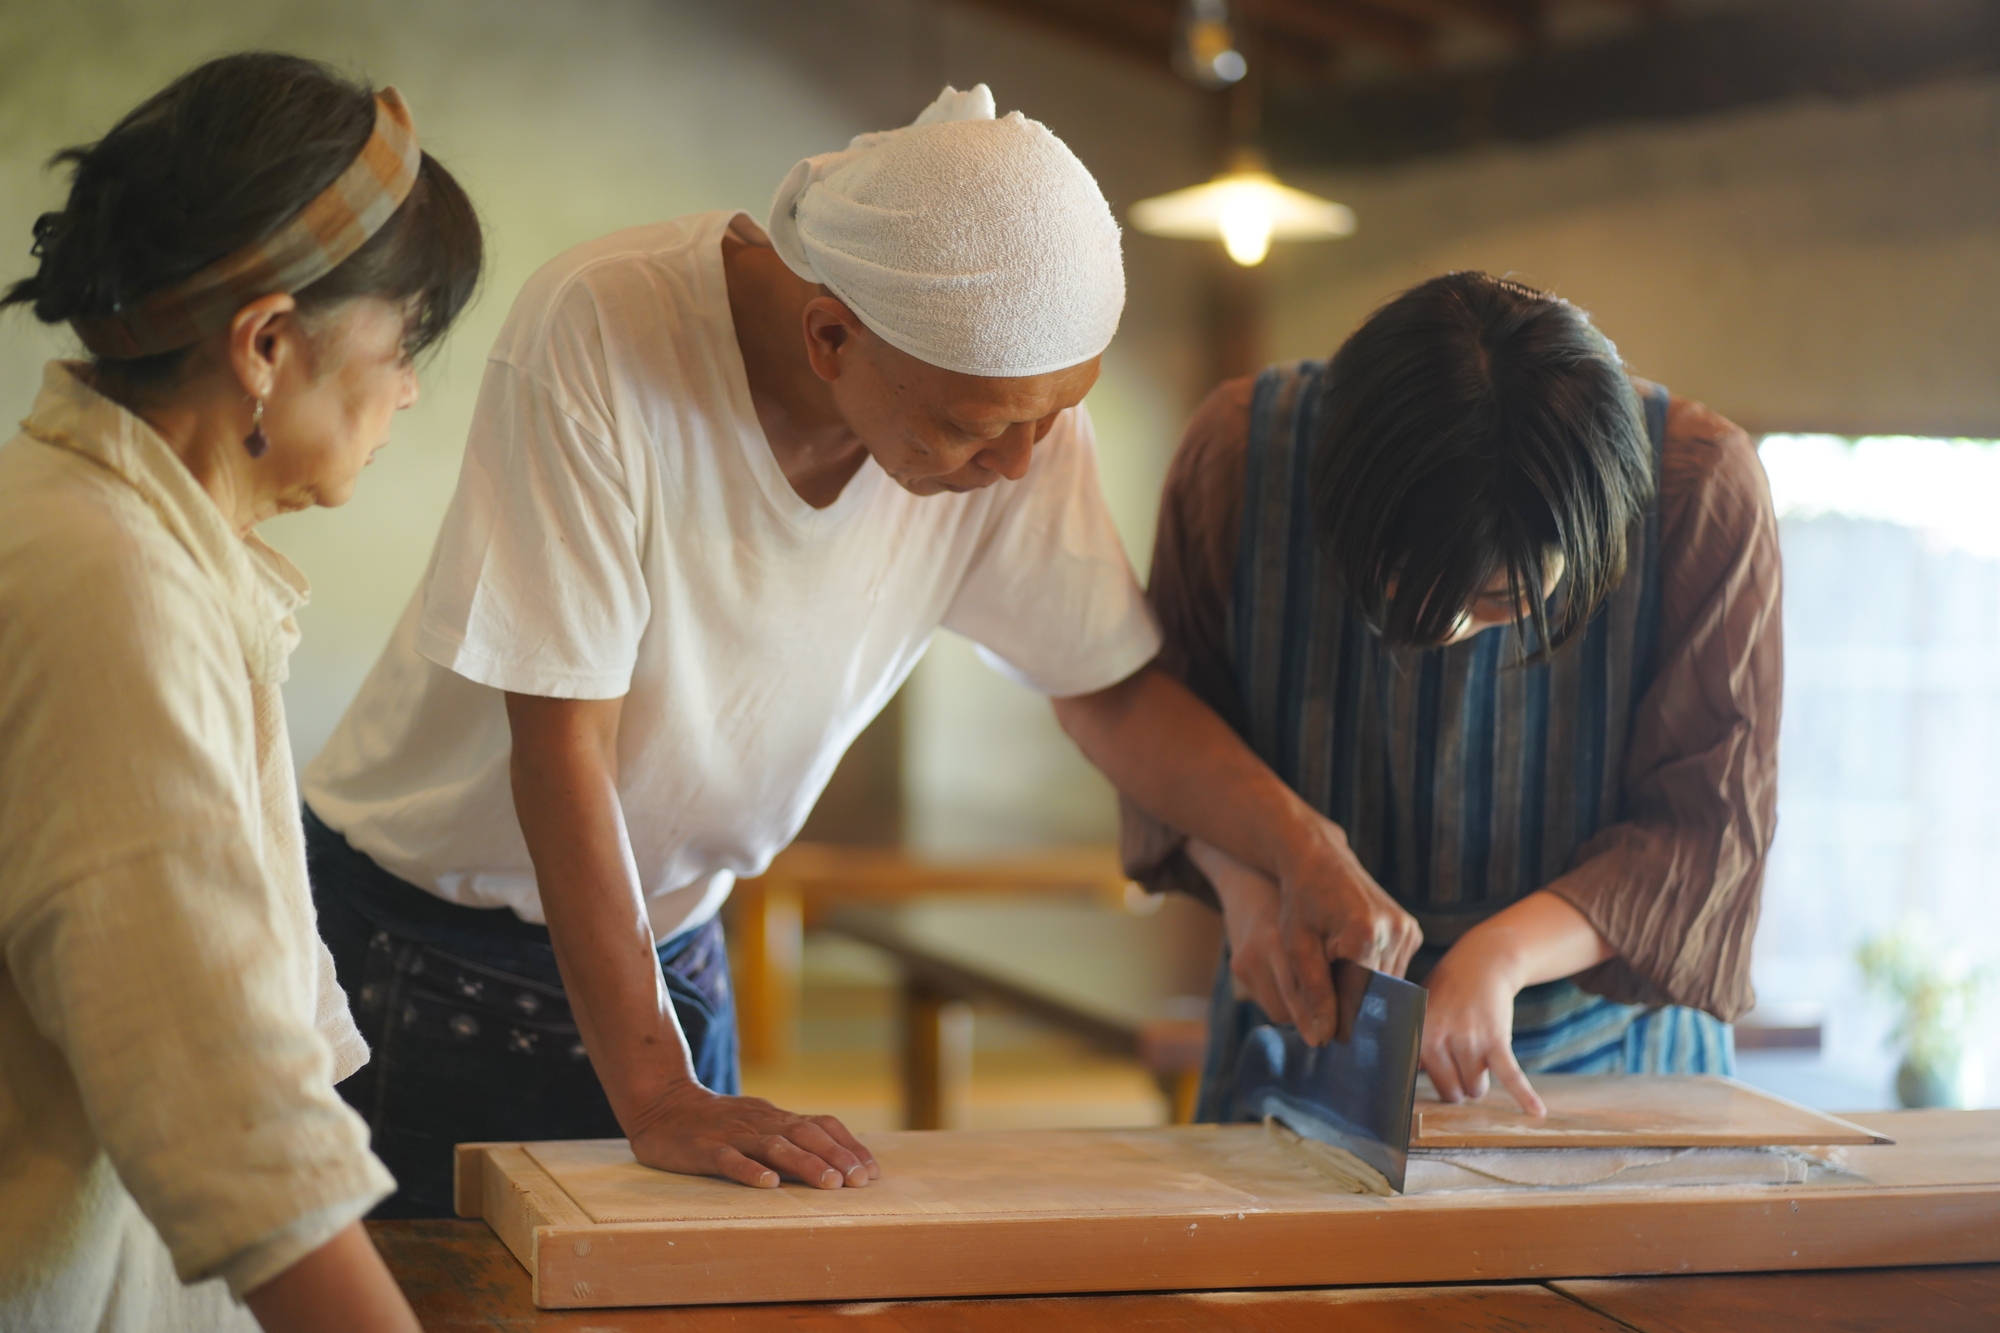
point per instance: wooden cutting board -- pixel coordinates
(1628, 1111)
(1192, 1208)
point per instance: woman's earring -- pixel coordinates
(255, 441)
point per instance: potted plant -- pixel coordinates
(1937, 1003)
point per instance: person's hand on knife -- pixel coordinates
(1173, 757)
(1285, 934)
(1469, 1013)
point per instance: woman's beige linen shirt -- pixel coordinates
(170, 1029)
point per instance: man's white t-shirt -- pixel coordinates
(621, 528)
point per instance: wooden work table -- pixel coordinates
(460, 1277)
(1218, 1208)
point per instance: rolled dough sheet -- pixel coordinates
(1447, 1170)
(1338, 1167)
(1435, 1172)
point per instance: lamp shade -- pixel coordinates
(1247, 208)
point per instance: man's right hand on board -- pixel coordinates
(748, 1140)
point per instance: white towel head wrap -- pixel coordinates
(980, 245)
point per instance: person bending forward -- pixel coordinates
(1357, 562)
(723, 484)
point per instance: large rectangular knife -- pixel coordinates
(1357, 1091)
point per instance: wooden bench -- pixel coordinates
(768, 915)
(1129, 984)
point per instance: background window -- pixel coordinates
(1889, 784)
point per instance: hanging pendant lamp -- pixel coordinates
(1247, 208)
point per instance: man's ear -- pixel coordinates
(261, 336)
(833, 332)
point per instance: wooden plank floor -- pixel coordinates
(1937, 1300)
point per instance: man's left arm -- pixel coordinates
(1170, 754)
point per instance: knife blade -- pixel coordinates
(1357, 1091)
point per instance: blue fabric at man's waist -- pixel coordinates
(388, 902)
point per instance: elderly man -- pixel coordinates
(722, 486)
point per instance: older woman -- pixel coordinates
(253, 257)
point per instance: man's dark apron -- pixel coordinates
(1464, 780)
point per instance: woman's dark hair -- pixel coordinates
(218, 160)
(1468, 428)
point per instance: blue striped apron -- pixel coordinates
(1464, 780)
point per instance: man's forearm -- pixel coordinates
(1171, 754)
(566, 795)
(604, 946)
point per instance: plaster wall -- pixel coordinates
(1812, 266)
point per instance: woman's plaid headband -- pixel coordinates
(305, 249)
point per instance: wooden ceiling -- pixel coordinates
(1300, 35)
(1446, 75)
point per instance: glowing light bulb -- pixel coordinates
(1245, 217)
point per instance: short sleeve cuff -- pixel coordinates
(1136, 643)
(516, 677)
(252, 1267)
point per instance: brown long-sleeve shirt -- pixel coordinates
(1674, 886)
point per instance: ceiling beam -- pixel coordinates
(1334, 22)
(1142, 30)
(1512, 18)
(1679, 68)
(1307, 31)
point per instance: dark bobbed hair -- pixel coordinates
(219, 159)
(1471, 426)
